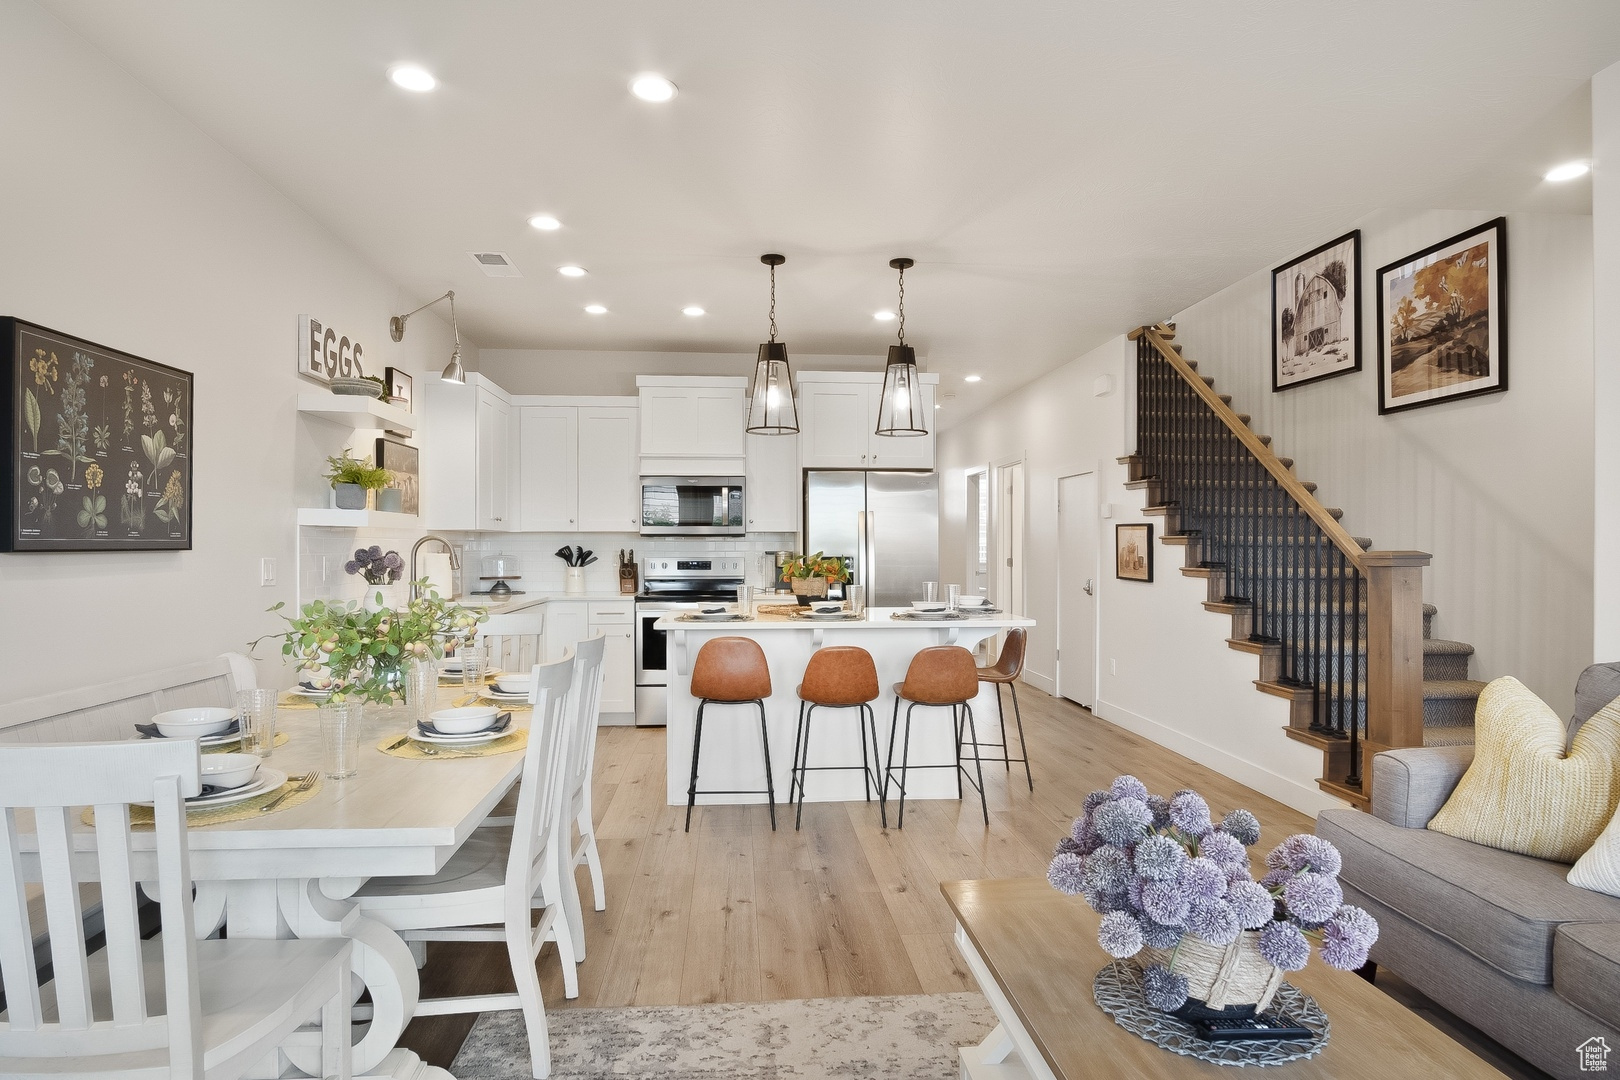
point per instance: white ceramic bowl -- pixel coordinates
(928, 605)
(229, 770)
(973, 601)
(464, 721)
(513, 684)
(193, 723)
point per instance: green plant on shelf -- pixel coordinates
(345, 468)
(831, 567)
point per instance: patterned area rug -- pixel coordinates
(866, 1038)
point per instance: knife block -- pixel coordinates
(628, 583)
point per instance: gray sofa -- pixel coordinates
(1501, 940)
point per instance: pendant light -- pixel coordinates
(770, 408)
(900, 410)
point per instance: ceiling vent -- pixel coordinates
(495, 264)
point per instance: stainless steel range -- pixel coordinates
(668, 584)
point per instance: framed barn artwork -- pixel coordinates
(1133, 552)
(1316, 314)
(100, 445)
(1442, 321)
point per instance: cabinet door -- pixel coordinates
(838, 419)
(609, 477)
(566, 623)
(494, 439)
(619, 670)
(771, 489)
(548, 468)
(668, 415)
(908, 452)
(719, 421)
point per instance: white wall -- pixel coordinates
(1606, 358)
(1498, 488)
(124, 224)
(1177, 682)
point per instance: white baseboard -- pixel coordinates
(1307, 799)
(1044, 683)
(616, 719)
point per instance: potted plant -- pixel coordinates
(1175, 890)
(351, 478)
(811, 574)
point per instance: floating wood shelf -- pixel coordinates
(356, 519)
(356, 411)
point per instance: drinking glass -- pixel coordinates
(931, 591)
(856, 595)
(745, 600)
(422, 689)
(474, 665)
(340, 738)
(953, 596)
(256, 717)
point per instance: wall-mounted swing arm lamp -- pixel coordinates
(453, 372)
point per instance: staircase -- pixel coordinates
(1334, 626)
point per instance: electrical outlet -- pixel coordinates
(1113, 667)
(267, 572)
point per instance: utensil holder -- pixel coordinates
(574, 581)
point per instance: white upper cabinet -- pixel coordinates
(838, 413)
(609, 488)
(548, 478)
(577, 467)
(691, 418)
(771, 486)
(468, 457)
(494, 461)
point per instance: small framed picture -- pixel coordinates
(1442, 321)
(403, 461)
(1316, 314)
(399, 390)
(1133, 552)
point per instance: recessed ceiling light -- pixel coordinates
(883, 316)
(1569, 170)
(545, 223)
(970, 378)
(650, 87)
(693, 311)
(595, 309)
(412, 77)
(571, 271)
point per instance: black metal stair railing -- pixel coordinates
(1302, 580)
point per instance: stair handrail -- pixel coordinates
(1157, 335)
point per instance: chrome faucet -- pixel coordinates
(455, 560)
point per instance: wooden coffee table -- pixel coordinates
(1034, 953)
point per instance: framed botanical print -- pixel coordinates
(1316, 314)
(99, 446)
(1133, 552)
(1442, 321)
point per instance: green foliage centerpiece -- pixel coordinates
(365, 653)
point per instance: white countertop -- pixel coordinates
(524, 601)
(876, 619)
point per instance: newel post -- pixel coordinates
(1394, 653)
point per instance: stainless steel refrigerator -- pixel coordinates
(886, 523)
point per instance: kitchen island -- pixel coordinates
(731, 750)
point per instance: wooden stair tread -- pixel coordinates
(1328, 744)
(1351, 795)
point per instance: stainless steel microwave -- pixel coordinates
(692, 506)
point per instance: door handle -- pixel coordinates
(1089, 590)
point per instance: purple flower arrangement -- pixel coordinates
(1159, 869)
(375, 565)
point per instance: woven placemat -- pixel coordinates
(504, 705)
(140, 817)
(418, 751)
(779, 609)
(1118, 989)
(290, 700)
(227, 748)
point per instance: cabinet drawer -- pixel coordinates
(607, 612)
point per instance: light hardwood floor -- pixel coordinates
(734, 912)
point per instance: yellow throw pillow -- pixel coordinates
(1523, 793)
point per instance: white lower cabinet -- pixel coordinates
(617, 620)
(567, 624)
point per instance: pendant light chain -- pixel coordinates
(902, 305)
(773, 301)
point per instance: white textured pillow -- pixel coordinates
(1599, 868)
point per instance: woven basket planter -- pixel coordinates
(1233, 979)
(810, 588)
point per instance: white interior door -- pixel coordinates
(977, 541)
(1077, 588)
(1010, 537)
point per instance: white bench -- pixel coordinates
(107, 713)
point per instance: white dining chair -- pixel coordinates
(515, 641)
(485, 891)
(172, 1006)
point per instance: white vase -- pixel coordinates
(393, 597)
(574, 581)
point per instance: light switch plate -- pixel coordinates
(267, 572)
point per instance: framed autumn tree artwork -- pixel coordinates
(1442, 321)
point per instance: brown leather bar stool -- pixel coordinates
(1004, 672)
(837, 677)
(943, 676)
(730, 671)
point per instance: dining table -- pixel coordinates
(290, 872)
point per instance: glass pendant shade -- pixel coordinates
(901, 410)
(771, 410)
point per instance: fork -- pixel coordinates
(305, 782)
(435, 751)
